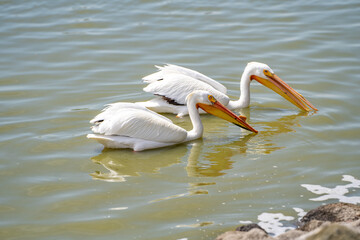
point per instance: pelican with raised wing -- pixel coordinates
(130, 125)
(173, 83)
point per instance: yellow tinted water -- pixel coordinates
(61, 61)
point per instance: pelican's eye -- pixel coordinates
(212, 99)
(268, 73)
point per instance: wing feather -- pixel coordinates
(135, 121)
(171, 69)
(177, 86)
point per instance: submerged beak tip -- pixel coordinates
(253, 130)
(314, 108)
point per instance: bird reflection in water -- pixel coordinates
(126, 163)
(214, 160)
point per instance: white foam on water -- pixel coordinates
(300, 212)
(273, 222)
(337, 192)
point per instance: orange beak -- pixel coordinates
(219, 110)
(279, 86)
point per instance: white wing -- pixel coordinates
(175, 87)
(169, 69)
(135, 121)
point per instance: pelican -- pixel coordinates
(130, 125)
(173, 83)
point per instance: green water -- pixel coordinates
(61, 61)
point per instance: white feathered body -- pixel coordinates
(129, 125)
(173, 83)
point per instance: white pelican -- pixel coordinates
(130, 125)
(173, 83)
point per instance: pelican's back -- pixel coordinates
(135, 121)
(170, 69)
(175, 87)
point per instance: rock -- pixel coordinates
(335, 212)
(253, 234)
(355, 224)
(336, 221)
(248, 227)
(290, 235)
(312, 225)
(332, 231)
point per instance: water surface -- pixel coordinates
(61, 61)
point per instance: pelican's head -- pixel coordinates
(266, 76)
(209, 104)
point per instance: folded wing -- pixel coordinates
(174, 86)
(135, 121)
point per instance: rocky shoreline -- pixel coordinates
(336, 221)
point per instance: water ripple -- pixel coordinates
(62, 61)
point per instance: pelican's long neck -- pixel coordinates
(244, 99)
(198, 128)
